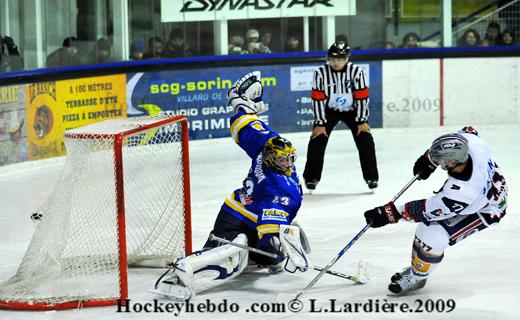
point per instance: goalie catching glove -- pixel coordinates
(246, 94)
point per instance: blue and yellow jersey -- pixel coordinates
(267, 199)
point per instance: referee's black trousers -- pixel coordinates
(364, 143)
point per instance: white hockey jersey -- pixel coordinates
(484, 192)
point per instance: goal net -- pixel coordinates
(122, 200)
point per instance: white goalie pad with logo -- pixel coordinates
(203, 270)
(297, 259)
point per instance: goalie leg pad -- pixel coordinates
(204, 270)
(297, 259)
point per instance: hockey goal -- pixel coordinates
(123, 199)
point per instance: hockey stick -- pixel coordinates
(356, 238)
(357, 279)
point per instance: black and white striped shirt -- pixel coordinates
(347, 86)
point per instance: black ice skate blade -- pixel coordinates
(406, 294)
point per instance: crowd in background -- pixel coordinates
(494, 36)
(253, 41)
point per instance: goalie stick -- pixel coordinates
(359, 278)
(356, 238)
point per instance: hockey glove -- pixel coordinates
(424, 167)
(297, 259)
(246, 94)
(381, 216)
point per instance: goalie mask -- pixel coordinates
(449, 150)
(279, 155)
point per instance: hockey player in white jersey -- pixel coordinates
(259, 214)
(473, 197)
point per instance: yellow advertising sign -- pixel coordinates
(53, 107)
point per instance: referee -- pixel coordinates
(340, 93)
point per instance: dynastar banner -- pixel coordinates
(210, 10)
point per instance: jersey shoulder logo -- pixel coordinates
(454, 205)
(258, 126)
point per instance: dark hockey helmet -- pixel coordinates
(449, 150)
(339, 50)
(279, 155)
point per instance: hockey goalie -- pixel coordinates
(258, 215)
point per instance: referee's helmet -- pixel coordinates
(339, 50)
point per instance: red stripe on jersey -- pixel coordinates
(318, 95)
(474, 224)
(361, 94)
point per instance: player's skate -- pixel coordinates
(406, 281)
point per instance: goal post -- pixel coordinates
(123, 199)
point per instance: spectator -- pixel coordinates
(101, 52)
(341, 38)
(253, 46)
(470, 38)
(137, 50)
(236, 45)
(293, 44)
(493, 34)
(10, 57)
(410, 41)
(510, 15)
(266, 36)
(67, 55)
(508, 38)
(484, 43)
(155, 48)
(389, 45)
(175, 46)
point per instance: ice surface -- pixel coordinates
(479, 274)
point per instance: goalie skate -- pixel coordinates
(171, 286)
(203, 270)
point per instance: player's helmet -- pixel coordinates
(279, 155)
(339, 50)
(449, 150)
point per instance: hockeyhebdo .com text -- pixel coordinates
(175, 88)
(310, 306)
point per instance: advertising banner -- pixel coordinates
(13, 132)
(53, 107)
(214, 10)
(200, 94)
